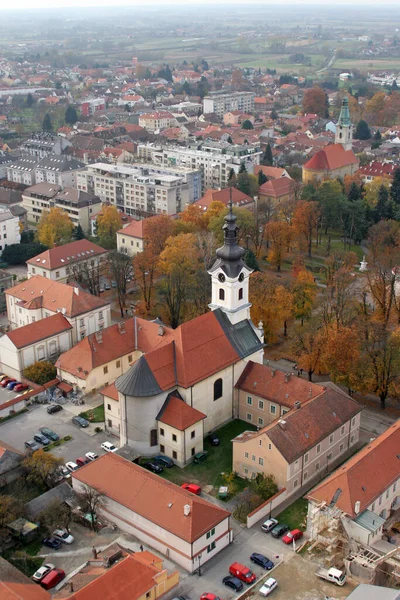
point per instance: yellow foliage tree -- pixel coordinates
(372, 190)
(54, 228)
(108, 223)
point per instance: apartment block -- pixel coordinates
(50, 169)
(222, 102)
(42, 144)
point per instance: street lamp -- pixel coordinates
(199, 569)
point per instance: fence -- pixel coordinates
(266, 509)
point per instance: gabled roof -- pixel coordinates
(68, 254)
(271, 172)
(365, 476)
(40, 330)
(176, 413)
(277, 187)
(134, 229)
(151, 496)
(332, 157)
(210, 195)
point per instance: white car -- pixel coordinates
(91, 455)
(42, 572)
(268, 586)
(63, 536)
(268, 525)
(109, 447)
(64, 472)
(71, 466)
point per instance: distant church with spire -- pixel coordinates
(183, 386)
(335, 160)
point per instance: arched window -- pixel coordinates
(240, 293)
(340, 135)
(53, 347)
(217, 389)
(153, 437)
(221, 294)
(40, 353)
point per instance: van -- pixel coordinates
(200, 457)
(241, 572)
(192, 487)
(52, 579)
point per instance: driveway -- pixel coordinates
(23, 427)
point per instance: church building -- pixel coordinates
(338, 159)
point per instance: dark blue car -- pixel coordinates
(12, 384)
(52, 542)
(164, 461)
(262, 561)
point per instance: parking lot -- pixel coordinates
(18, 430)
(7, 395)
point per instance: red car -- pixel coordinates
(21, 387)
(192, 487)
(208, 596)
(7, 380)
(295, 534)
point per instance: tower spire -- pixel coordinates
(344, 128)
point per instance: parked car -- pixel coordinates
(200, 457)
(11, 385)
(242, 572)
(113, 284)
(32, 445)
(109, 447)
(192, 487)
(107, 286)
(101, 289)
(52, 579)
(49, 433)
(82, 461)
(262, 561)
(71, 466)
(268, 586)
(21, 387)
(6, 381)
(91, 455)
(213, 439)
(208, 596)
(154, 467)
(64, 536)
(54, 408)
(80, 421)
(233, 582)
(3, 376)
(164, 461)
(295, 534)
(42, 572)
(64, 472)
(279, 530)
(268, 525)
(42, 439)
(52, 542)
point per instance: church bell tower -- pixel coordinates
(230, 274)
(344, 128)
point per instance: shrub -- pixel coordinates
(46, 448)
(98, 429)
(57, 443)
(67, 438)
(40, 372)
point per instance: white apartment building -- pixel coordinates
(139, 190)
(42, 144)
(9, 229)
(221, 102)
(52, 168)
(214, 161)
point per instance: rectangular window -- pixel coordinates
(317, 466)
(246, 455)
(261, 404)
(329, 457)
(162, 448)
(109, 423)
(260, 442)
(105, 370)
(174, 438)
(174, 454)
(81, 322)
(249, 417)
(342, 431)
(118, 364)
(352, 439)
(341, 448)
(211, 547)
(108, 406)
(253, 458)
(296, 483)
(246, 471)
(373, 507)
(161, 431)
(306, 458)
(394, 487)
(261, 461)
(130, 358)
(192, 434)
(273, 409)
(318, 448)
(269, 446)
(331, 437)
(305, 475)
(387, 494)
(249, 400)
(260, 422)
(57, 274)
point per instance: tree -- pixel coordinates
(383, 208)
(305, 219)
(90, 502)
(108, 223)
(395, 189)
(41, 467)
(354, 192)
(308, 345)
(304, 293)
(121, 269)
(47, 125)
(245, 222)
(262, 178)
(314, 102)
(78, 233)
(264, 486)
(267, 158)
(247, 124)
(54, 228)
(251, 260)
(10, 509)
(279, 234)
(56, 514)
(341, 354)
(362, 131)
(232, 178)
(375, 106)
(40, 372)
(71, 116)
(18, 254)
(331, 200)
(29, 100)
(87, 275)
(248, 184)
(242, 168)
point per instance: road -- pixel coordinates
(328, 66)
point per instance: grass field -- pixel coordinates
(94, 415)
(367, 64)
(295, 515)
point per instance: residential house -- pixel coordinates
(10, 463)
(237, 117)
(40, 297)
(64, 262)
(119, 573)
(271, 172)
(9, 228)
(130, 239)
(92, 106)
(79, 205)
(58, 170)
(277, 191)
(304, 444)
(186, 528)
(22, 171)
(360, 495)
(41, 340)
(377, 169)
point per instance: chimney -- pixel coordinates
(282, 424)
(71, 587)
(273, 372)
(287, 377)
(297, 404)
(161, 330)
(186, 510)
(76, 290)
(99, 337)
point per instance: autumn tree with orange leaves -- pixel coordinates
(315, 101)
(305, 221)
(279, 235)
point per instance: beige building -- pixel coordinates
(130, 239)
(304, 445)
(156, 121)
(62, 262)
(186, 528)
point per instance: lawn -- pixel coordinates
(219, 460)
(295, 515)
(94, 415)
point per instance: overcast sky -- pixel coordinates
(29, 4)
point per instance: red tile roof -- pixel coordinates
(40, 330)
(176, 413)
(270, 172)
(4, 447)
(62, 256)
(365, 476)
(277, 187)
(330, 158)
(378, 169)
(210, 195)
(14, 585)
(134, 229)
(151, 496)
(110, 391)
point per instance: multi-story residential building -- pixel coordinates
(139, 190)
(5, 160)
(92, 106)
(79, 205)
(222, 102)
(156, 121)
(361, 495)
(304, 444)
(9, 229)
(39, 297)
(58, 263)
(130, 239)
(42, 144)
(22, 171)
(215, 160)
(55, 169)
